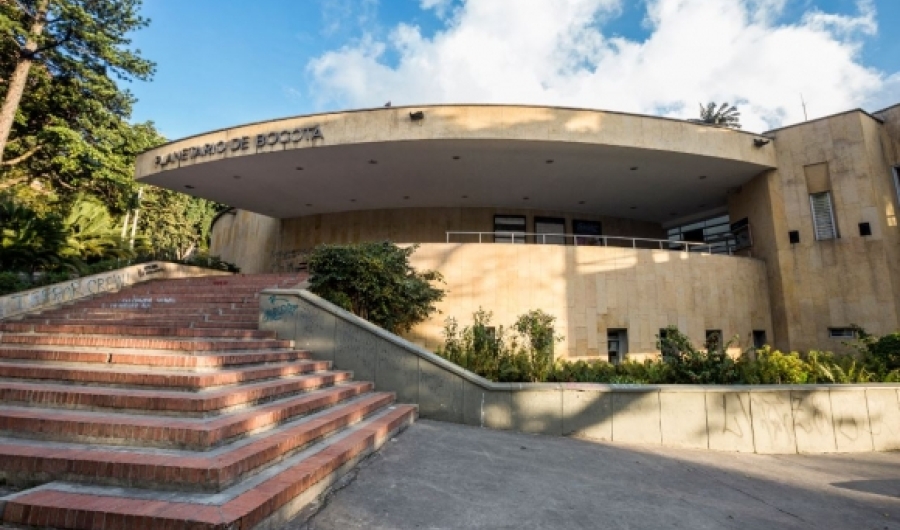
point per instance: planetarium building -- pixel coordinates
(617, 224)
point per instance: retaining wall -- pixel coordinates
(49, 296)
(761, 419)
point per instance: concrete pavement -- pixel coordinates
(447, 476)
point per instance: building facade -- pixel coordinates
(617, 224)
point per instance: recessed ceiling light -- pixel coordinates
(702, 177)
(373, 161)
(455, 157)
(188, 186)
(634, 168)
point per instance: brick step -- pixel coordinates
(159, 431)
(158, 310)
(199, 283)
(161, 359)
(244, 506)
(178, 470)
(157, 378)
(110, 329)
(177, 295)
(158, 401)
(154, 321)
(179, 344)
(188, 304)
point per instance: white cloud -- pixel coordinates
(441, 7)
(555, 52)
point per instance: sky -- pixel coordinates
(222, 63)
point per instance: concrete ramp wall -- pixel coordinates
(57, 294)
(761, 419)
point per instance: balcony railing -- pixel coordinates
(590, 241)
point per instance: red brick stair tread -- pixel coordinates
(163, 343)
(158, 378)
(119, 329)
(61, 509)
(213, 472)
(161, 359)
(170, 432)
(163, 400)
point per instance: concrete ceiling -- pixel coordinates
(582, 178)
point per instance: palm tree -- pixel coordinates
(724, 115)
(92, 235)
(29, 242)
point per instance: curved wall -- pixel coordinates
(257, 243)
(443, 122)
(588, 289)
(593, 289)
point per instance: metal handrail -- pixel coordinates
(664, 244)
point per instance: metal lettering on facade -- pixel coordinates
(288, 136)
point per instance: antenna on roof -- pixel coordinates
(802, 102)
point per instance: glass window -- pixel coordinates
(545, 226)
(509, 229)
(587, 232)
(842, 333)
(897, 181)
(823, 216)
(616, 345)
(714, 339)
(759, 338)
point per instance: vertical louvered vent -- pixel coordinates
(823, 215)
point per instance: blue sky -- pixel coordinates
(226, 62)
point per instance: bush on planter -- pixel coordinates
(376, 282)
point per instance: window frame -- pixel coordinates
(896, 173)
(840, 333)
(582, 238)
(514, 237)
(755, 335)
(548, 220)
(812, 209)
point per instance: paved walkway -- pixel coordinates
(440, 475)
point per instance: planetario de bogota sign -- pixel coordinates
(287, 136)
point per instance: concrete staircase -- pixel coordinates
(163, 406)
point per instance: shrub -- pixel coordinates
(210, 262)
(771, 367)
(492, 353)
(376, 282)
(884, 353)
(11, 282)
(689, 365)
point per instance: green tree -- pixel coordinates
(92, 233)
(29, 241)
(175, 225)
(724, 115)
(76, 45)
(376, 282)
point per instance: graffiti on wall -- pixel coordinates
(277, 312)
(61, 293)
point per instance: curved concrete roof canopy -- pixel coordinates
(503, 156)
